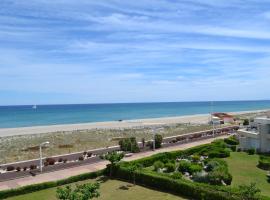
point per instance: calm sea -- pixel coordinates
(23, 116)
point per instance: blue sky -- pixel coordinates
(96, 51)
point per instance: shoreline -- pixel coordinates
(135, 123)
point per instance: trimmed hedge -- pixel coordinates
(178, 186)
(37, 187)
(264, 162)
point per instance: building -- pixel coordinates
(222, 118)
(256, 136)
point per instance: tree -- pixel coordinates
(158, 140)
(246, 122)
(114, 158)
(81, 192)
(133, 169)
(249, 192)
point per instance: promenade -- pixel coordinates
(65, 173)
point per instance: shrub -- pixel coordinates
(129, 144)
(233, 148)
(231, 140)
(18, 169)
(194, 168)
(246, 122)
(184, 166)
(170, 167)
(251, 151)
(264, 162)
(196, 158)
(218, 175)
(32, 167)
(158, 165)
(219, 153)
(81, 158)
(239, 150)
(24, 168)
(176, 175)
(60, 159)
(158, 140)
(10, 168)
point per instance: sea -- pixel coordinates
(40, 115)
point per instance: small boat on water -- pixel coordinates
(34, 107)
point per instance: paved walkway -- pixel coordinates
(65, 173)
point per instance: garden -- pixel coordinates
(201, 172)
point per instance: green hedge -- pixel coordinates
(41, 186)
(264, 162)
(178, 186)
(231, 141)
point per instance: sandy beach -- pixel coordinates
(193, 119)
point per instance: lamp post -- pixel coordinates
(40, 154)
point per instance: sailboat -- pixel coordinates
(34, 107)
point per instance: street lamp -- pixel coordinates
(40, 154)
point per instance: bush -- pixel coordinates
(18, 169)
(24, 168)
(264, 162)
(239, 150)
(184, 166)
(158, 140)
(176, 175)
(196, 158)
(10, 168)
(158, 165)
(129, 144)
(246, 122)
(219, 153)
(233, 148)
(231, 140)
(194, 168)
(251, 151)
(170, 167)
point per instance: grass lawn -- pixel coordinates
(110, 190)
(243, 168)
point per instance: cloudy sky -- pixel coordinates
(96, 51)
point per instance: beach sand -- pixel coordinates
(193, 119)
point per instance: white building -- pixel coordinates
(257, 137)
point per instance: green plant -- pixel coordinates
(113, 157)
(184, 166)
(158, 140)
(251, 151)
(158, 165)
(170, 167)
(194, 168)
(129, 144)
(81, 192)
(264, 162)
(196, 158)
(176, 175)
(246, 122)
(231, 140)
(249, 192)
